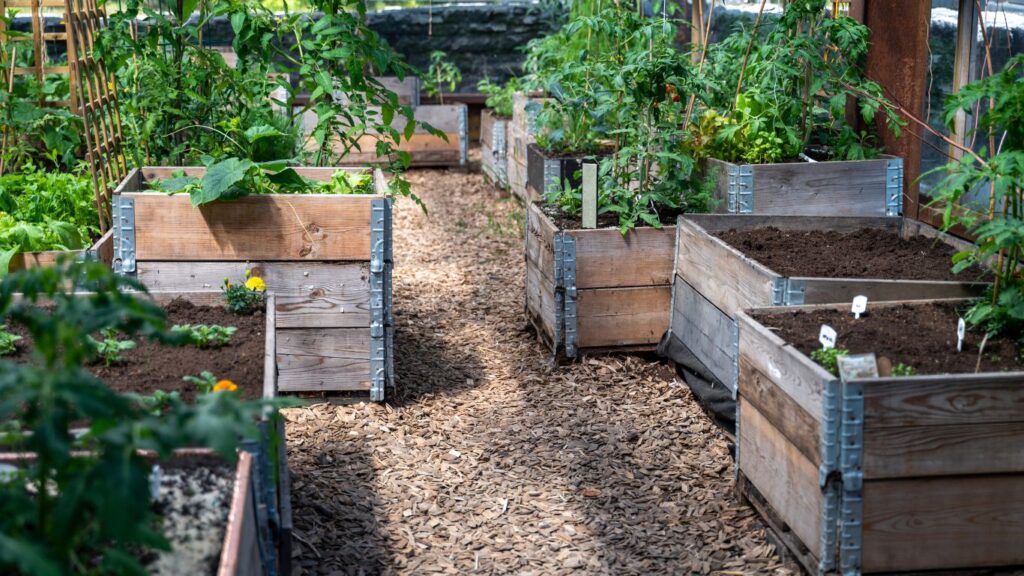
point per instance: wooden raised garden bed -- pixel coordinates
(546, 172)
(834, 188)
(595, 289)
(714, 280)
(326, 258)
(102, 250)
(880, 475)
(522, 131)
(493, 147)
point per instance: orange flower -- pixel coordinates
(225, 386)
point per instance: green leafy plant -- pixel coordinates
(440, 74)
(245, 299)
(74, 507)
(829, 358)
(500, 96)
(206, 336)
(8, 341)
(901, 369)
(109, 349)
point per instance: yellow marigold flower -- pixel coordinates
(225, 386)
(256, 284)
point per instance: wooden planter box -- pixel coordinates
(326, 258)
(522, 131)
(854, 188)
(493, 147)
(546, 172)
(713, 281)
(424, 149)
(102, 251)
(880, 475)
(595, 289)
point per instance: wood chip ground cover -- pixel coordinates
(489, 460)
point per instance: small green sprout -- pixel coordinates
(110, 348)
(206, 336)
(902, 369)
(829, 358)
(7, 341)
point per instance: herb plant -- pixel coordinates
(245, 299)
(829, 358)
(901, 369)
(109, 349)
(66, 511)
(8, 341)
(206, 336)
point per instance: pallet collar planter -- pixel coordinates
(713, 281)
(522, 131)
(327, 259)
(102, 251)
(546, 172)
(847, 188)
(494, 147)
(595, 289)
(888, 474)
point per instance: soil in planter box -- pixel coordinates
(864, 253)
(563, 221)
(193, 505)
(152, 366)
(922, 336)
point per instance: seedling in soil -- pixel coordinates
(902, 369)
(109, 349)
(208, 383)
(245, 299)
(829, 358)
(7, 341)
(205, 336)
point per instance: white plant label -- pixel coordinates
(961, 330)
(827, 337)
(860, 305)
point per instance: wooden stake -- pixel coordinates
(589, 195)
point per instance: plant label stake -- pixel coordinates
(860, 305)
(827, 337)
(589, 195)
(961, 329)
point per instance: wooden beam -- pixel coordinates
(898, 60)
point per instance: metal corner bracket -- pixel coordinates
(123, 208)
(740, 189)
(463, 135)
(788, 291)
(894, 187)
(569, 278)
(378, 321)
(851, 462)
(828, 480)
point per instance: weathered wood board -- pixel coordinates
(595, 289)
(494, 147)
(934, 462)
(522, 131)
(727, 281)
(102, 251)
(836, 188)
(317, 266)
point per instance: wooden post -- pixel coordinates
(589, 195)
(898, 60)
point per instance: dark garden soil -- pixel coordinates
(864, 253)
(152, 366)
(922, 336)
(563, 221)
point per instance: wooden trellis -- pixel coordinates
(40, 64)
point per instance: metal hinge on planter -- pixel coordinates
(389, 307)
(894, 187)
(463, 134)
(827, 481)
(559, 293)
(378, 320)
(569, 275)
(788, 292)
(741, 188)
(851, 462)
(123, 208)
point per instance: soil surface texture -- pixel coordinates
(864, 253)
(921, 336)
(488, 459)
(152, 366)
(193, 504)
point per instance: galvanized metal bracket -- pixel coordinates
(123, 208)
(552, 177)
(389, 307)
(827, 478)
(734, 344)
(378, 318)
(741, 189)
(499, 149)
(851, 462)
(894, 187)
(788, 292)
(463, 134)
(559, 293)
(569, 276)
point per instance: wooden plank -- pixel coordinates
(943, 523)
(315, 360)
(270, 351)
(606, 259)
(622, 316)
(717, 171)
(849, 188)
(709, 333)
(284, 503)
(540, 241)
(727, 278)
(424, 149)
(943, 450)
(103, 249)
(303, 227)
(541, 303)
(139, 179)
(308, 279)
(28, 260)
(350, 309)
(832, 290)
(714, 223)
(968, 399)
(796, 376)
(786, 479)
(240, 552)
(778, 529)
(801, 429)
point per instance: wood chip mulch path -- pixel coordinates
(491, 461)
